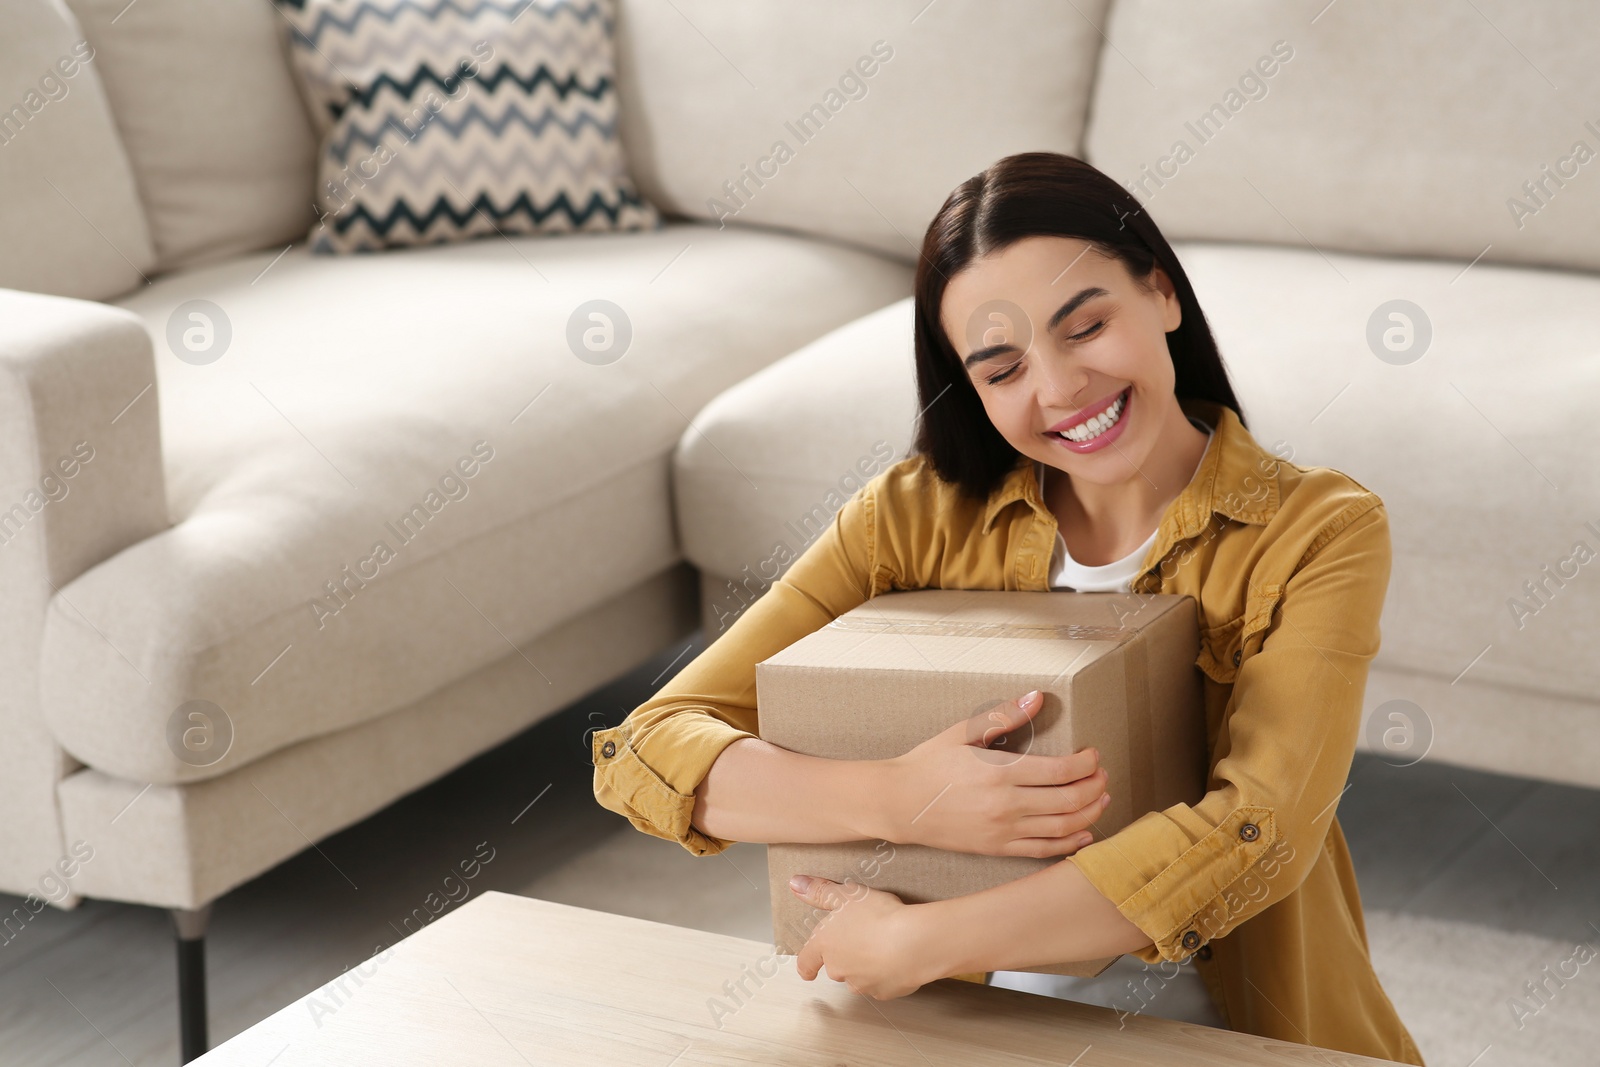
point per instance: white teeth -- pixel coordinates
(1096, 426)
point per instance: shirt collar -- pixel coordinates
(1236, 478)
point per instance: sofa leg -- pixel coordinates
(190, 928)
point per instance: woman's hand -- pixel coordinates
(955, 792)
(869, 939)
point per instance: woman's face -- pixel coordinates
(1052, 333)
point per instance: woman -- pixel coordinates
(1078, 431)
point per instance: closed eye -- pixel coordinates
(1090, 332)
(998, 378)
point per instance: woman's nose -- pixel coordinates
(1059, 385)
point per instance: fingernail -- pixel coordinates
(1083, 838)
(1029, 698)
(800, 883)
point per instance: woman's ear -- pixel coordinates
(1172, 309)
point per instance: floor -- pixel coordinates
(1474, 884)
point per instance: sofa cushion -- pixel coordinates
(219, 138)
(183, 845)
(444, 123)
(809, 430)
(1491, 491)
(72, 224)
(849, 120)
(387, 470)
(1428, 128)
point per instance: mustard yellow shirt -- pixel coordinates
(1288, 566)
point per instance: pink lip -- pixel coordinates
(1087, 413)
(1106, 439)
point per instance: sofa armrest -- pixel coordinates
(80, 479)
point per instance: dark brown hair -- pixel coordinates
(1027, 195)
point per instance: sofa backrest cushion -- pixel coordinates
(71, 224)
(848, 120)
(218, 136)
(1430, 128)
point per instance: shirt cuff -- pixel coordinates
(1180, 889)
(662, 803)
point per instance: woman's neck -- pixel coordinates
(1103, 523)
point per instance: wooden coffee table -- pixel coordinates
(507, 980)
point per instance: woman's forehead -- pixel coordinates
(1037, 273)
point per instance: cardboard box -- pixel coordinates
(1117, 672)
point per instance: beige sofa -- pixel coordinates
(204, 556)
(208, 664)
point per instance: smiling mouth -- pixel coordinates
(1089, 429)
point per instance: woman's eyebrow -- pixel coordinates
(1073, 303)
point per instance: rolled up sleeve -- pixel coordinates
(648, 767)
(1191, 873)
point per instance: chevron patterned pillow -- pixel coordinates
(448, 119)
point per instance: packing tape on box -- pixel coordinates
(1141, 742)
(1136, 665)
(943, 628)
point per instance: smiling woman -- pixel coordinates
(1056, 334)
(1055, 323)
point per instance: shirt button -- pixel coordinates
(1190, 940)
(1205, 952)
(1248, 832)
(608, 749)
(1237, 656)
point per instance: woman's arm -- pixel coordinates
(1046, 917)
(656, 767)
(688, 765)
(1192, 873)
(885, 948)
(1174, 879)
(756, 791)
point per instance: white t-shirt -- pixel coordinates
(1116, 576)
(1168, 990)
